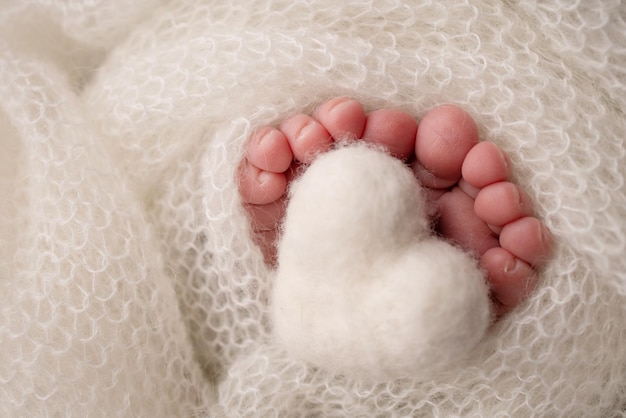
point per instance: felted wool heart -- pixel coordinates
(363, 287)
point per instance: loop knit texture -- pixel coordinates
(129, 283)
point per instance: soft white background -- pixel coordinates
(129, 285)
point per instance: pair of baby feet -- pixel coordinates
(467, 181)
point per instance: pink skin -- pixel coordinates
(478, 208)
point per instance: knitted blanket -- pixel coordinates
(129, 283)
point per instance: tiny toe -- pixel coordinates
(306, 136)
(393, 129)
(342, 117)
(485, 164)
(444, 137)
(511, 279)
(501, 203)
(269, 150)
(459, 224)
(259, 187)
(528, 239)
(469, 190)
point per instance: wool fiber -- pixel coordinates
(363, 288)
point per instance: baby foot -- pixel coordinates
(476, 206)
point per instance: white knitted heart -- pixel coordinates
(363, 287)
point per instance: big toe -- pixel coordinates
(444, 137)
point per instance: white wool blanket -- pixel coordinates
(129, 283)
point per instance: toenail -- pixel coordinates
(505, 159)
(523, 200)
(511, 265)
(340, 103)
(495, 229)
(469, 190)
(517, 196)
(263, 177)
(337, 101)
(306, 129)
(265, 135)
